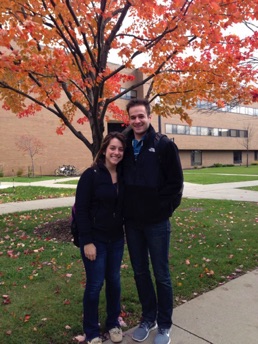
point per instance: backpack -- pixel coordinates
(74, 228)
(73, 225)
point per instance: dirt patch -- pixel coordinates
(59, 230)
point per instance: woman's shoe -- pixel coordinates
(116, 335)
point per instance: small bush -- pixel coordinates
(217, 165)
(19, 172)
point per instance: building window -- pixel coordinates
(193, 130)
(215, 132)
(243, 133)
(204, 131)
(181, 129)
(237, 157)
(168, 128)
(245, 110)
(115, 126)
(233, 133)
(171, 129)
(129, 95)
(256, 155)
(223, 132)
(210, 132)
(196, 158)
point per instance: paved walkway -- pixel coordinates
(225, 315)
(227, 191)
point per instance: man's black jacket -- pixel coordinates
(153, 182)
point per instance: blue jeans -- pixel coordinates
(105, 267)
(152, 241)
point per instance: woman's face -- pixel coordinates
(114, 152)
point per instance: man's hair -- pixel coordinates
(137, 102)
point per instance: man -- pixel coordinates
(153, 189)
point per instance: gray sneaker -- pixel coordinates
(162, 337)
(142, 332)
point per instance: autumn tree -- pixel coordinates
(185, 49)
(30, 145)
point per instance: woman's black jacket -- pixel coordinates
(99, 206)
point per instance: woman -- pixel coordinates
(99, 218)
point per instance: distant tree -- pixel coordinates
(186, 48)
(245, 141)
(31, 145)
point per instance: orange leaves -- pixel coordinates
(181, 50)
(118, 113)
(82, 120)
(254, 94)
(215, 6)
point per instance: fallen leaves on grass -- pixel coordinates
(6, 299)
(26, 317)
(80, 338)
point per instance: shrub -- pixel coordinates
(19, 172)
(217, 165)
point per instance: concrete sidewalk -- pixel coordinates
(225, 315)
(226, 191)
(13, 207)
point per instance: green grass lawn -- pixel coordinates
(26, 193)
(216, 175)
(29, 179)
(251, 188)
(42, 280)
(74, 181)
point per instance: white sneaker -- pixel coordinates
(96, 340)
(116, 335)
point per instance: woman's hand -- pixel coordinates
(90, 251)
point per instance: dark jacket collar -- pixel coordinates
(149, 134)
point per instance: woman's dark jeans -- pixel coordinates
(105, 267)
(152, 240)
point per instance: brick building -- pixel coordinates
(227, 137)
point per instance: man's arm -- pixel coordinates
(171, 168)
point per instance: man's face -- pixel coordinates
(139, 120)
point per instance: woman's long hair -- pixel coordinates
(100, 157)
